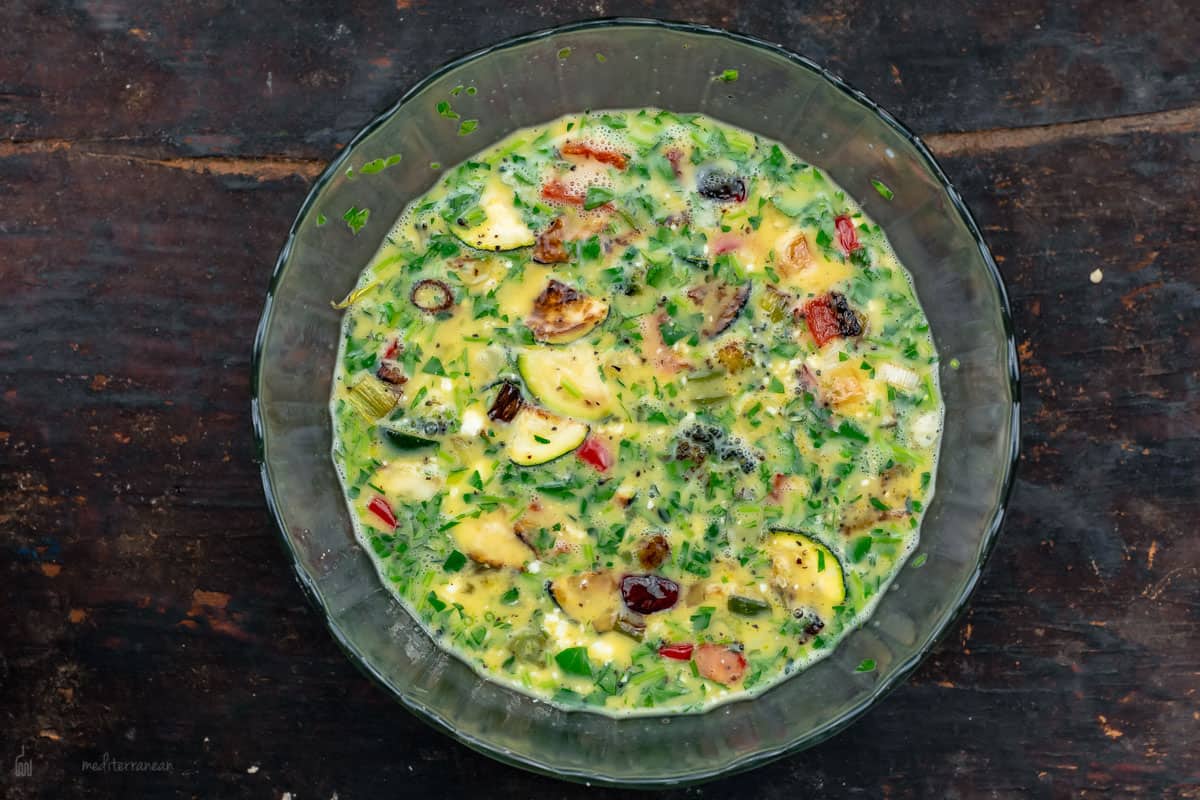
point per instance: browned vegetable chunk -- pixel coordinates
(795, 257)
(549, 248)
(562, 314)
(507, 403)
(391, 373)
(654, 551)
(721, 303)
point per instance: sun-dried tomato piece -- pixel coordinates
(596, 154)
(559, 192)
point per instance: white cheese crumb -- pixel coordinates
(1097, 276)
(472, 422)
(447, 385)
(534, 567)
(252, 769)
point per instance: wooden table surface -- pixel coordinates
(151, 161)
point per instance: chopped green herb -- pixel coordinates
(596, 197)
(884, 191)
(574, 661)
(356, 218)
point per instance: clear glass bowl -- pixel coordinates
(532, 79)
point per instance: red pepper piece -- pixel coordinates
(380, 508)
(847, 234)
(679, 652)
(595, 452)
(821, 319)
(587, 151)
(556, 190)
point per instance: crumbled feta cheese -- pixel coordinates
(472, 422)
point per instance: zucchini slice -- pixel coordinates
(539, 436)
(806, 573)
(416, 481)
(489, 539)
(562, 314)
(588, 597)
(502, 230)
(566, 381)
(405, 442)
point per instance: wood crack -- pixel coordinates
(945, 145)
(949, 145)
(263, 168)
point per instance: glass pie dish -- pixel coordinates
(626, 63)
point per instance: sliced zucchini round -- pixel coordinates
(405, 442)
(562, 314)
(566, 381)
(806, 572)
(489, 539)
(588, 597)
(538, 436)
(503, 229)
(415, 481)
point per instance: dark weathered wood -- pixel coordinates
(297, 79)
(148, 611)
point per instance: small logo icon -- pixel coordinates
(23, 766)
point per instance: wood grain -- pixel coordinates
(150, 171)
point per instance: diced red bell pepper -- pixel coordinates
(392, 349)
(557, 190)
(847, 234)
(587, 151)
(380, 508)
(679, 652)
(595, 452)
(821, 319)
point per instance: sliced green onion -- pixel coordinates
(371, 398)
